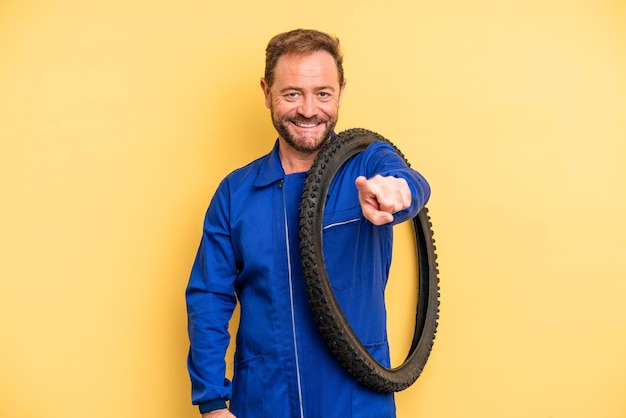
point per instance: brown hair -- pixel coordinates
(301, 41)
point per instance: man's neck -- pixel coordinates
(294, 161)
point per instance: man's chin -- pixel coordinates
(307, 145)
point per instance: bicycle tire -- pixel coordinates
(336, 330)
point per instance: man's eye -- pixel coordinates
(324, 94)
(292, 95)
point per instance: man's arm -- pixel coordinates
(388, 189)
(211, 299)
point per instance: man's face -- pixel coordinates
(304, 100)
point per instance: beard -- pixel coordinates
(306, 144)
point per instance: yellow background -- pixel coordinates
(119, 118)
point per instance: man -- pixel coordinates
(250, 252)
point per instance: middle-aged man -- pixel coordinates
(250, 252)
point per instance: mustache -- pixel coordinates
(303, 120)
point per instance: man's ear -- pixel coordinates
(341, 89)
(266, 93)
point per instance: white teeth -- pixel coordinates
(309, 125)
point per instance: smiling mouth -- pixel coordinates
(304, 124)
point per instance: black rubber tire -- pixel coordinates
(341, 338)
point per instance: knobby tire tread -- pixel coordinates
(339, 335)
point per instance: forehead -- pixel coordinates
(316, 68)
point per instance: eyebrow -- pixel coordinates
(290, 88)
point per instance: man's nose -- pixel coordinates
(308, 107)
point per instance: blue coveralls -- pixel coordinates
(250, 251)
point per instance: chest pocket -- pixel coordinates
(341, 238)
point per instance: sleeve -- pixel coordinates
(210, 297)
(382, 159)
